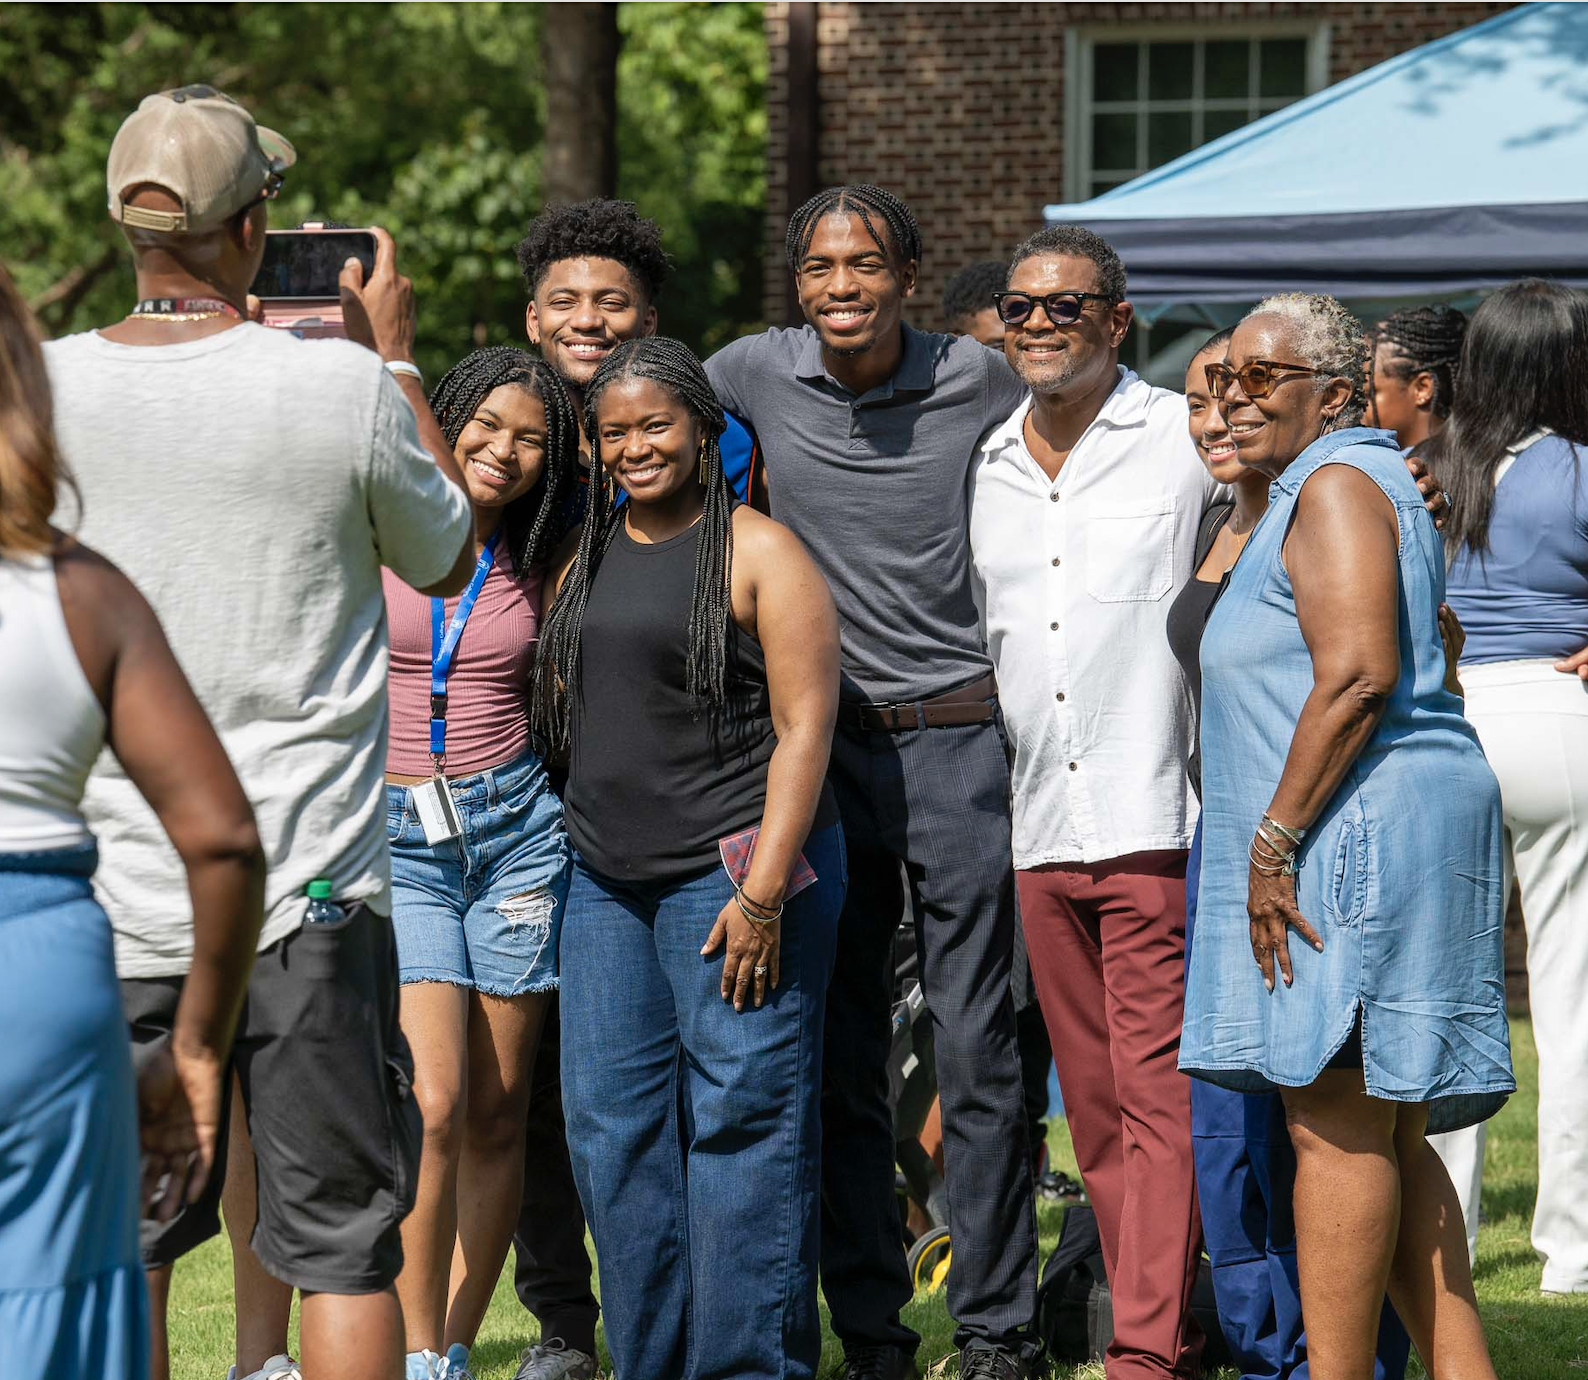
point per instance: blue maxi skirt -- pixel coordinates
(72, 1302)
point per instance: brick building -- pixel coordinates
(979, 115)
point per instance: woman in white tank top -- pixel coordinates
(83, 664)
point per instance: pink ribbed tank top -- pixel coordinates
(488, 689)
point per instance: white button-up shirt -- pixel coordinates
(1074, 578)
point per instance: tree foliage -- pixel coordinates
(425, 118)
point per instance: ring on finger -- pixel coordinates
(762, 969)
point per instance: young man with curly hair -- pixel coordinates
(594, 271)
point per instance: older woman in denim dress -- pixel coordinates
(1346, 798)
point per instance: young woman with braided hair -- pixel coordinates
(479, 855)
(691, 663)
(1411, 371)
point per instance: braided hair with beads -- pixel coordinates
(876, 208)
(1426, 340)
(533, 523)
(672, 365)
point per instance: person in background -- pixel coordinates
(257, 529)
(968, 307)
(85, 665)
(1346, 799)
(1411, 375)
(477, 895)
(1085, 504)
(1245, 1165)
(691, 662)
(871, 429)
(1514, 458)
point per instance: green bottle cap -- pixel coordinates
(319, 890)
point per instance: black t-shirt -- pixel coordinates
(656, 778)
(1187, 617)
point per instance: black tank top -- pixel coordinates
(1187, 617)
(656, 778)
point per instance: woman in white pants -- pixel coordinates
(1514, 461)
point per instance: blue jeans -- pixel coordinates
(482, 910)
(695, 1130)
(1245, 1169)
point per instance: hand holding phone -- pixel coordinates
(298, 283)
(378, 308)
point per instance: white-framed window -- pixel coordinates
(1139, 97)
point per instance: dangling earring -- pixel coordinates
(704, 467)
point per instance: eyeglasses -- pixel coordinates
(1257, 378)
(1062, 308)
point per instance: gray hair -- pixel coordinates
(1329, 339)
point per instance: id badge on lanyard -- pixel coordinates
(438, 814)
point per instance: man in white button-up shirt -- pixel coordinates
(1084, 514)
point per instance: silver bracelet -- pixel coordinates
(402, 368)
(1284, 830)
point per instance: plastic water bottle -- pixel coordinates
(322, 909)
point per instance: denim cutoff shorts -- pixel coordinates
(483, 910)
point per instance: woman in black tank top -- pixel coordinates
(690, 663)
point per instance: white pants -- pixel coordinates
(1533, 724)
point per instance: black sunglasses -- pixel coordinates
(1062, 308)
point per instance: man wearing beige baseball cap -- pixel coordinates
(253, 484)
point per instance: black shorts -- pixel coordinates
(327, 1084)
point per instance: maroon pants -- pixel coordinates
(1107, 944)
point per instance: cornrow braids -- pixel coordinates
(873, 205)
(674, 366)
(532, 523)
(1427, 341)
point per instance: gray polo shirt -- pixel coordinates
(876, 488)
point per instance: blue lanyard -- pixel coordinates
(444, 646)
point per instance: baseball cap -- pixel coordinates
(202, 147)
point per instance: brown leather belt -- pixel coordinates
(966, 705)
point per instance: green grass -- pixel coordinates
(1532, 1337)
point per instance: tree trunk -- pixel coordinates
(580, 51)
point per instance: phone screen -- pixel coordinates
(306, 263)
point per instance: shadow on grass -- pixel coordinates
(1492, 1262)
(1510, 1198)
(1541, 1339)
(489, 1356)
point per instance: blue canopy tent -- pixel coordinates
(1455, 166)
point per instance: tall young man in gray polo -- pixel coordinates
(869, 429)
(253, 485)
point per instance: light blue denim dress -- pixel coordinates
(1400, 873)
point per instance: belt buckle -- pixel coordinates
(893, 716)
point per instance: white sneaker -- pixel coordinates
(554, 1359)
(276, 1368)
(423, 1365)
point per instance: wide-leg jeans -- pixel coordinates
(695, 1129)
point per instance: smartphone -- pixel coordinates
(301, 264)
(297, 279)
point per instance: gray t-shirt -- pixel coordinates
(252, 485)
(875, 486)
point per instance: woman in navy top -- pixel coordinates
(1512, 460)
